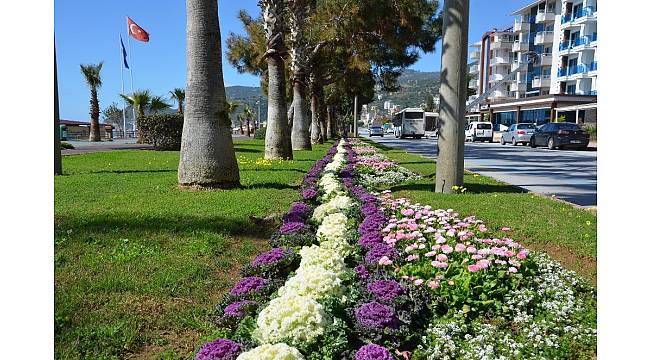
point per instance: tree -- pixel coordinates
(230, 107)
(140, 100)
(248, 115)
(158, 104)
(278, 141)
(453, 87)
(207, 157)
(113, 115)
(430, 104)
(91, 73)
(58, 169)
(178, 95)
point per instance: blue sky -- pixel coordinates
(88, 32)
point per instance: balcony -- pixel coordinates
(501, 44)
(546, 59)
(544, 37)
(473, 84)
(580, 17)
(518, 87)
(473, 69)
(543, 17)
(579, 43)
(541, 81)
(496, 77)
(520, 46)
(593, 93)
(475, 55)
(593, 67)
(522, 23)
(499, 60)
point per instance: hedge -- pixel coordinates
(163, 131)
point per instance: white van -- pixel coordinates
(479, 131)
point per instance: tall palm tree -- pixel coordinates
(178, 95)
(277, 143)
(91, 73)
(297, 17)
(157, 104)
(140, 100)
(207, 157)
(248, 115)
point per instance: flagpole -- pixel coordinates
(122, 83)
(128, 33)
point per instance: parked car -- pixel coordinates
(518, 134)
(479, 131)
(375, 130)
(560, 135)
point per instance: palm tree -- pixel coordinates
(248, 115)
(91, 73)
(240, 119)
(277, 143)
(178, 95)
(207, 157)
(140, 100)
(297, 14)
(157, 104)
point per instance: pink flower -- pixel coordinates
(471, 250)
(433, 284)
(460, 247)
(446, 249)
(521, 255)
(418, 282)
(412, 257)
(505, 229)
(473, 268)
(413, 226)
(442, 257)
(482, 228)
(512, 269)
(483, 251)
(429, 229)
(477, 257)
(483, 263)
(430, 254)
(440, 240)
(385, 261)
(407, 212)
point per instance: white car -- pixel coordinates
(479, 131)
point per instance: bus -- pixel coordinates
(430, 124)
(409, 123)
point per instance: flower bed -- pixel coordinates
(359, 275)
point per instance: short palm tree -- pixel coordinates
(178, 95)
(139, 100)
(248, 115)
(230, 107)
(157, 104)
(91, 73)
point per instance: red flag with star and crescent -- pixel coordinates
(136, 31)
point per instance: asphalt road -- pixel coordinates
(569, 175)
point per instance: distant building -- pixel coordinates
(80, 130)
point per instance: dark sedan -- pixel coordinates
(560, 135)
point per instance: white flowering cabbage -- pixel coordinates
(329, 183)
(336, 204)
(294, 319)
(333, 227)
(322, 258)
(279, 351)
(313, 282)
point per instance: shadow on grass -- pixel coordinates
(251, 226)
(130, 171)
(246, 149)
(271, 185)
(293, 170)
(471, 188)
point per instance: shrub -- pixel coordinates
(66, 145)
(260, 133)
(163, 131)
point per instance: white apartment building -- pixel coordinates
(551, 48)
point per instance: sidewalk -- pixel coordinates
(84, 147)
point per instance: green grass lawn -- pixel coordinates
(139, 263)
(566, 233)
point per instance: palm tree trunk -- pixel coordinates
(322, 115)
(300, 130)
(248, 127)
(94, 134)
(330, 124)
(207, 158)
(180, 107)
(277, 141)
(58, 169)
(315, 126)
(140, 113)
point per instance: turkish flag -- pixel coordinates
(136, 31)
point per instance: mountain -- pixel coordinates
(247, 95)
(414, 88)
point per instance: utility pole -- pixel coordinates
(453, 93)
(355, 132)
(58, 169)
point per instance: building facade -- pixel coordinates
(549, 61)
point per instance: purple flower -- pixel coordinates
(378, 251)
(385, 290)
(369, 209)
(237, 309)
(299, 208)
(269, 257)
(309, 193)
(373, 352)
(220, 349)
(362, 271)
(370, 239)
(292, 227)
(375, 316)
(249, 284)
(292, 217)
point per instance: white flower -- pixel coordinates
(322, 258)
(279, 351)
(293, 319)
(336, 204)
(333, 227)
(313, 282)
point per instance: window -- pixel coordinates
(537, 116)
(571, 89)
(413, 115)
(568, 126)
(484, 126)
(505, 118)
(525, 126)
